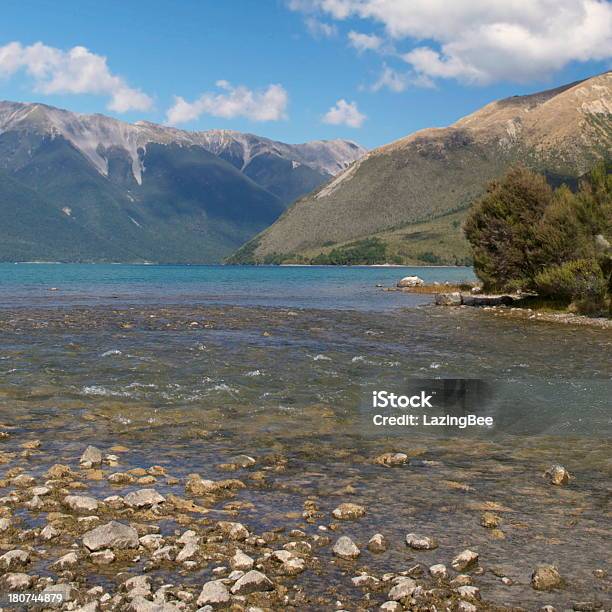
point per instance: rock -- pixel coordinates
(214, 593)
(235, 531)
(348, 511)
(404, 588)
(189, 551)
(65, 591)
(103, 557)
(252, 582)
(468, 592)
(377, 543)
(137, 586)
(35, 503)
(448, 299)
(557, 475)
(391, 459)
(545, 578)
(391, 606)
(460, 580)
(490, 520)
(111, 535)
(410, 281)
(92, 455)
(59, 471)
(49, 532)
(144, 498)
(419, 542)
(14, 558)
(17, 581)
(5, 524)
(466, 606)
(464, 560)
(69, 560)
(23, 481)
(345, 548)
(188, 536)
(548, 609)
(293, 567)
(41, 491)
(152, 541)
(81, 503)
(241, 561)
(438, 571)
(120, 478)
(166, 553)
(365, 581)
(281, 556)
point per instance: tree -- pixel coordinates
(526, 236)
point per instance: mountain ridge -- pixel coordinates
(144, 192)
(433, 173)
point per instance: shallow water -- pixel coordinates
(189, 385)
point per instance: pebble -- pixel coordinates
(490, 520)
(81, 503)
(345, 548)
(241, 561)
(252, 582)
(214, 593)
(404, 588)
(14, 558)
(438, 571)
(91, 456)
(348, 511)
(464, 560)
(419, 542)
(144, 498)
(545, 578)
(68, 560)
(391, 459)
(557, 475)
(377, 543)
(103, 557)
(111, 535)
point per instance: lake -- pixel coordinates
(189, 366)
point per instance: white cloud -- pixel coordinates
(344, 113)
(482, 41)
(76, 71)
(364, 42)
(320, 29)
(269, 104)
(392, 80)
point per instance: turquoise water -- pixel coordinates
(287, 286)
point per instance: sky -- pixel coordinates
(370, 71)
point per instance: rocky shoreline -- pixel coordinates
(104, 536)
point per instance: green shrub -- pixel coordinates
(573, 280)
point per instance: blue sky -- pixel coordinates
(296, 70)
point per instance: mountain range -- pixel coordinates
(409, 198)
(79, 187)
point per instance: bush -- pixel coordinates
(581, 279)
(363, 252)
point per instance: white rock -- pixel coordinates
(410, 281)
(14, 558)
(69, 560)
(438, 571)
(81, 503)
(214, 593)
(345, 548)
(241, 561)
(143, 498)
(111, 535)
(419, 542)
(404, 588)
(92, 455)
(465, 559)
(252, 582)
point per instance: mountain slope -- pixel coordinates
(113, 191)
(429, 177)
